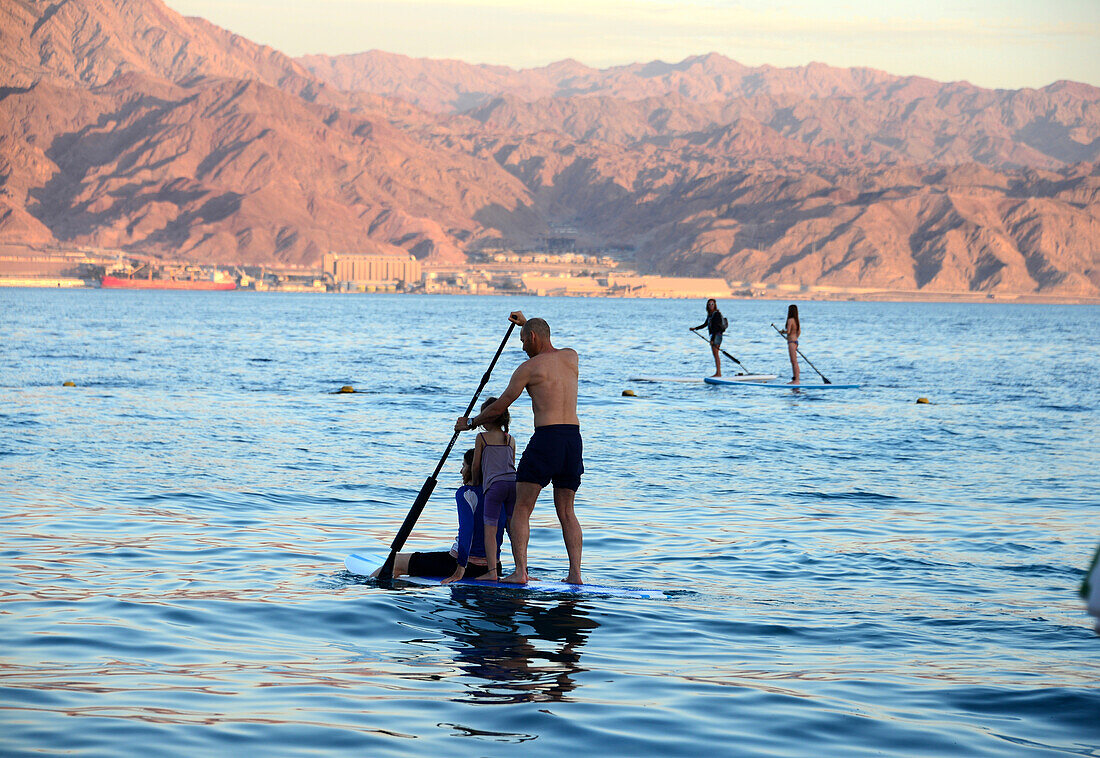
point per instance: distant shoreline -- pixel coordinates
(832, 295)
(537, 274)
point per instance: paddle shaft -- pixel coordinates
(429, 483)
(739, 363)
(824, 378)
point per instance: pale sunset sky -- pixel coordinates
(990, 43)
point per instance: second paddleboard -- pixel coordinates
(721, 380)
(700, 380)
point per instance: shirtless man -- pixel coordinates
(553, 453)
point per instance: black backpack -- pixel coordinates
(724, 323)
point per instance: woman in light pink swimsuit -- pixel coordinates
(792, 331)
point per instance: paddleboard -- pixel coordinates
(366, 563)
(700, 380)
(721, 380)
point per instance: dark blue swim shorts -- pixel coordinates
(553, 454)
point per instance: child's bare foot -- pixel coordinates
(516, 577)
(488, 576)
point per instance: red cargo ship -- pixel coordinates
(216, 282)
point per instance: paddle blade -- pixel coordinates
(386, 572)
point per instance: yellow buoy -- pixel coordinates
(629, 393)
(923, 401)
(69, 384)
(347, 388)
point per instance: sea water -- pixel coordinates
(848, 573)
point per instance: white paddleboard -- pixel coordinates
(365, 564)
(700, 380)
(721, 380)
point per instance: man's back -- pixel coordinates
(552, 385)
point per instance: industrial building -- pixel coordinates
(372, 273)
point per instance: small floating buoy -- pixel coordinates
(347, 388)
(923, 401)
(629, 393)
(69, 383)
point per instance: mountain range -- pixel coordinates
(124, 125)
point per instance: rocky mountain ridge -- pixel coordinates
(125, 125)
(863, 115)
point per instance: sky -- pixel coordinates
(991, 43)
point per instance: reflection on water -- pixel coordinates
(515, 649)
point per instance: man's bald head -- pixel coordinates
(536, 326)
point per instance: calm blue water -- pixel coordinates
(851, 573)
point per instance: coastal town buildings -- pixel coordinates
(497, 272)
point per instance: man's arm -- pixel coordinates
(514, 389)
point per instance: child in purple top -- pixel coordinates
(494, 467)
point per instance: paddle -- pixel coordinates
(429, 483)
(824, 378)
(739, 363)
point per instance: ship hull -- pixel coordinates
(118, 282)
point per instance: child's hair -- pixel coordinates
(468, 460)
(792, 312)
(504, 419)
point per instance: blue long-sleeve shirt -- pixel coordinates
(471, 531)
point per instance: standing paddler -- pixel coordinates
(716, 326)
(554, 452)
(792, 330)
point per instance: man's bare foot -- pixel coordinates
(488, 576)
(573, 579)
(712, 376)
(516, 577)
